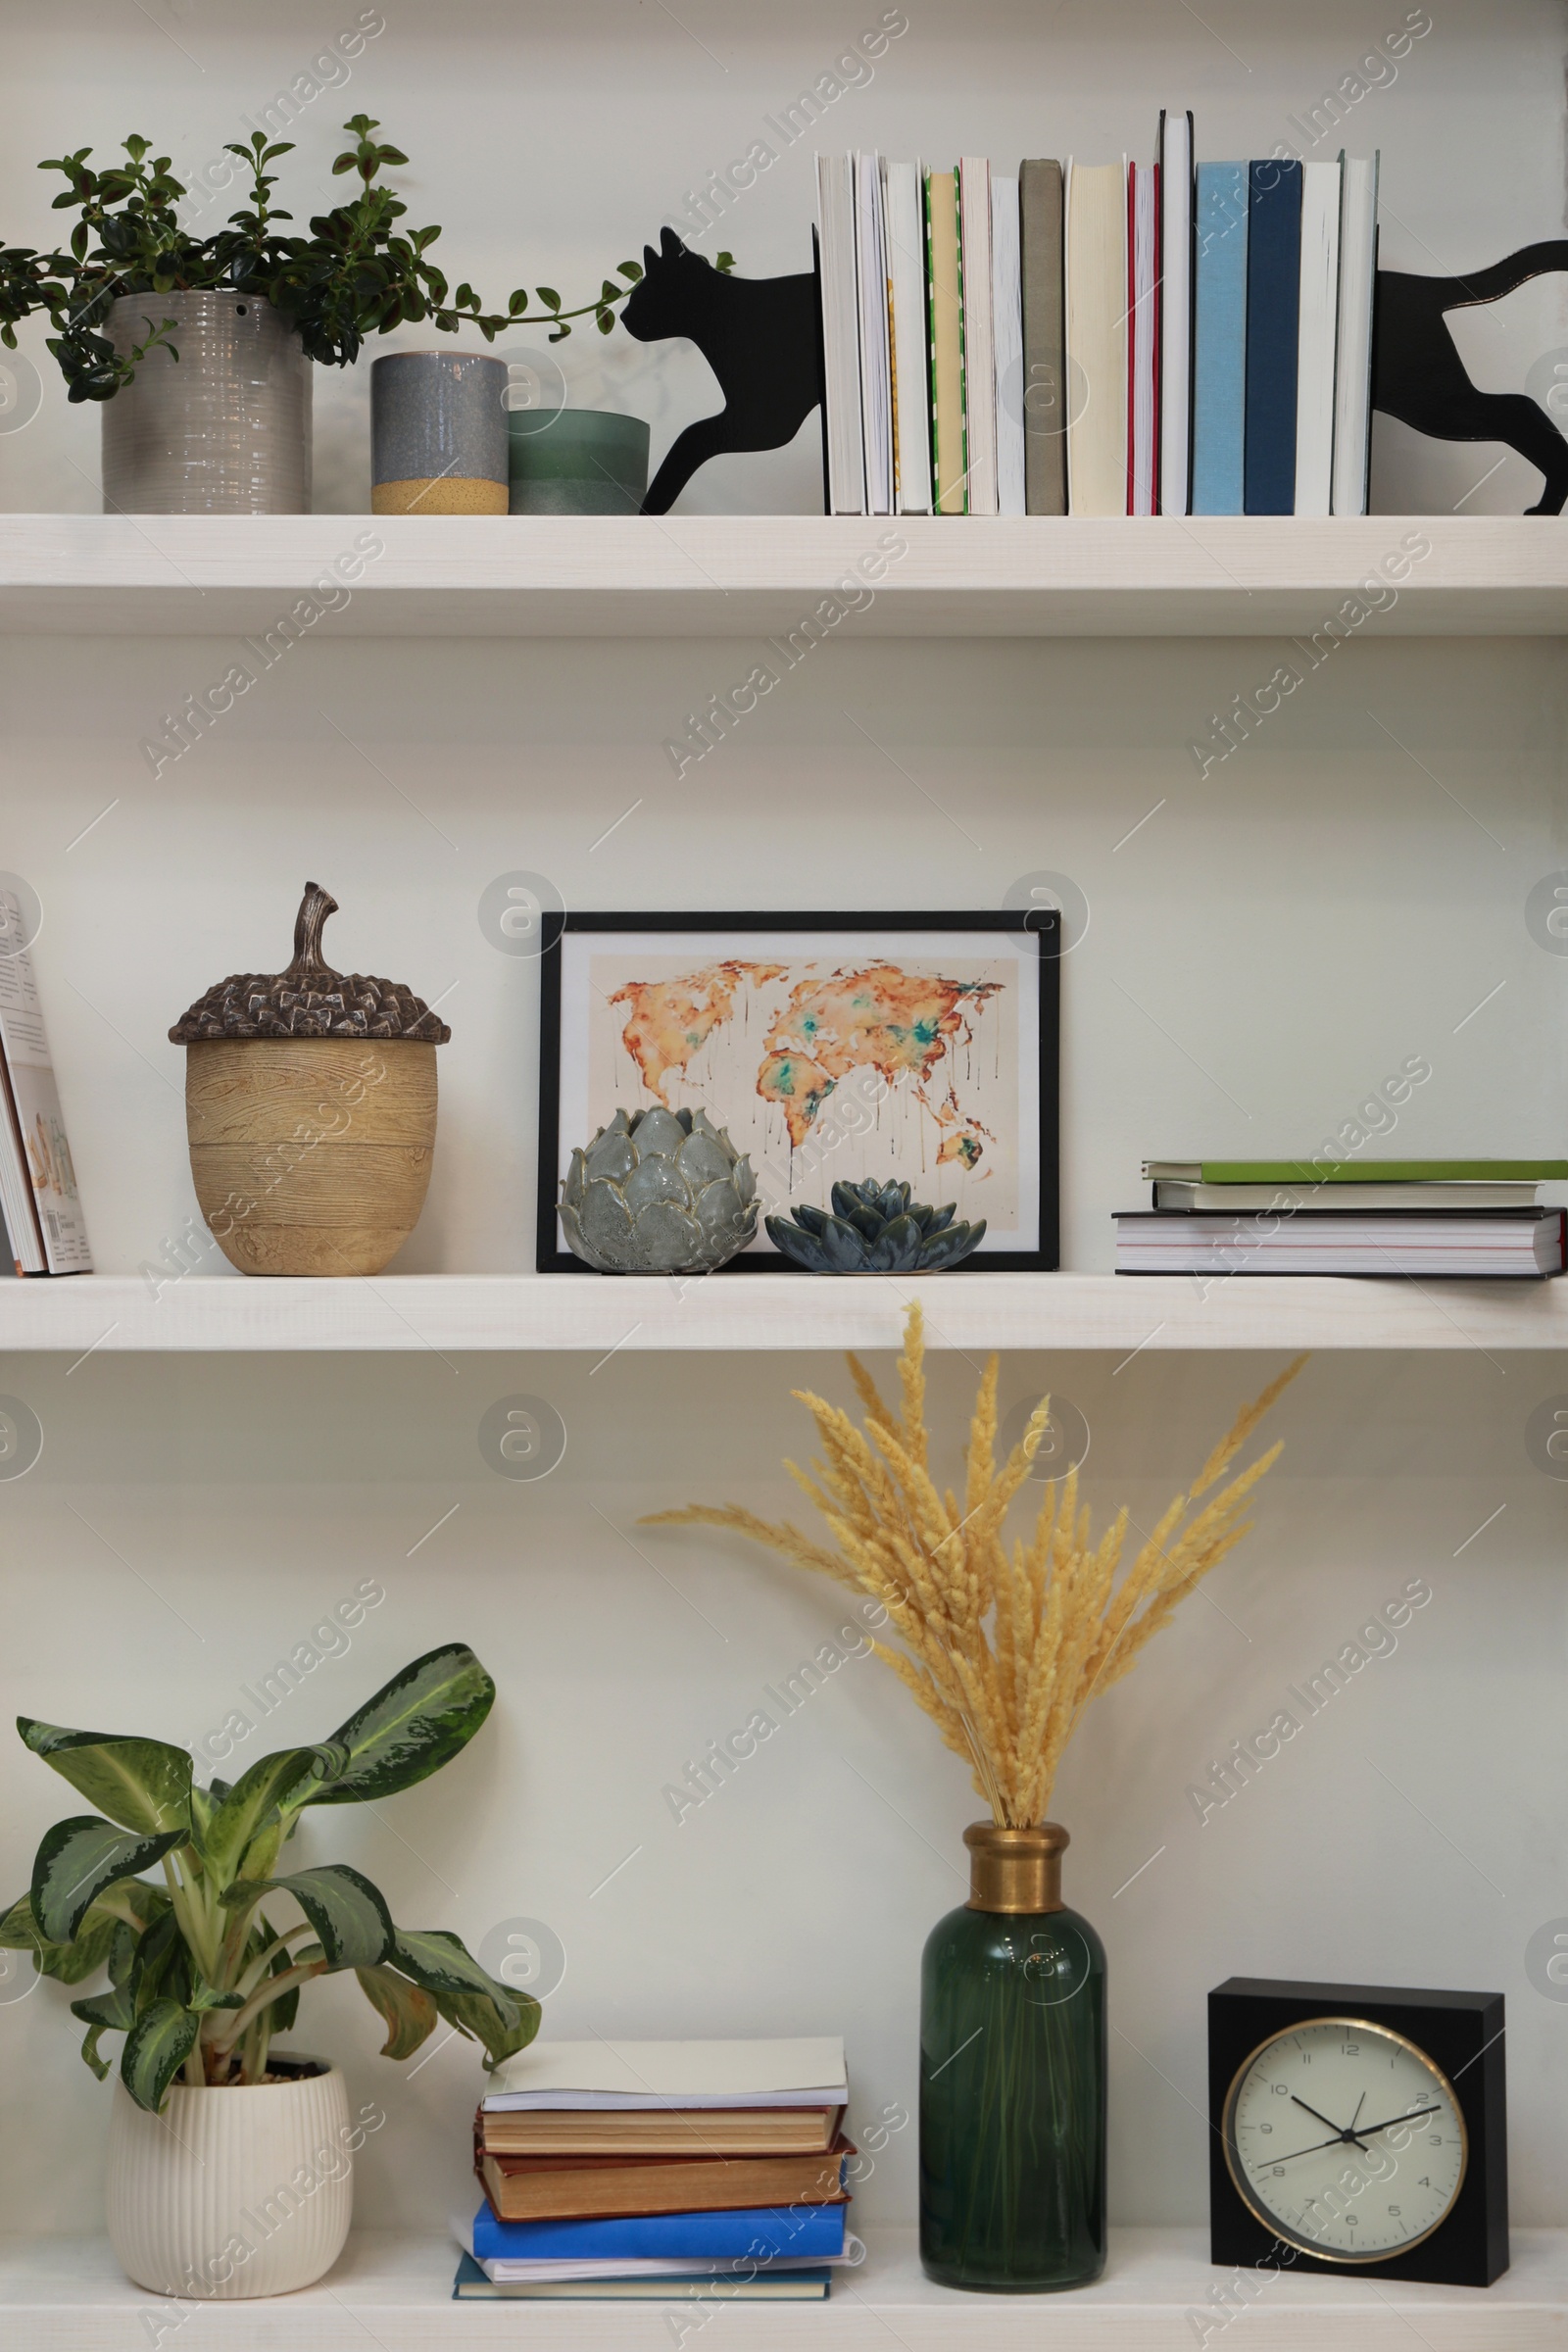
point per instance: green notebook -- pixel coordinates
(1356, 1170)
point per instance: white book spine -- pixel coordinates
(876, 387)
(1352, 387)
(979, 345)
(1317, 330)
(1006, 308)
(1143, 353)
(841, 390)
(903, 226)
(1176, 313)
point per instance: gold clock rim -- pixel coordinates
(1272, 2221)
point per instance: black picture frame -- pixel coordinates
(1040, 925)
(1462, 2033)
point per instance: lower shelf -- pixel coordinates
(600, 1314)
(393, 2289)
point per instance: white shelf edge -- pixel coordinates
(392, 2290)
(751, 575)
(85, 1315)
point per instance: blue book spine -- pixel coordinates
(1273, 334)
(762, 2232)
(1219, 341)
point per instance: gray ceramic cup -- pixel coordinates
(581, 462)
(438, 433)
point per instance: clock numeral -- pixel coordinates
(1353, 2050)
(1278, 2172)
(1282, 2090)
(1435, 2140)
(1395, 2211)
(1265, 2127)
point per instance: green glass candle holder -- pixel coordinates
(1012, 2077)
(578, 462)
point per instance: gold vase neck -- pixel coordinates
(1015, 1870)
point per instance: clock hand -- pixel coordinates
(1360, 2104)
(1316, 2144)
(1322, 2118)
(1413, 2115)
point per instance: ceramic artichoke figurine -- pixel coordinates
(661, 1192)
(875, 1229)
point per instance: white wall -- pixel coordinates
(1280, 936)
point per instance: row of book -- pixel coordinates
(1098, 339)
(39, 1196)
(1474, 1218)
(663, 2170)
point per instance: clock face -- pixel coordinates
(1344, 2139)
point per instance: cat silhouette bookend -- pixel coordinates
(761, 337)
(1418, 375)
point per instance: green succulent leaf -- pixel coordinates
(143, 1785)
(156, 2047)
(414, 1725)
(724, 261)
(550, 298)
(274, 1785)
(77, 1860)
(631, 269)
(406, 2010)
(347, 1912)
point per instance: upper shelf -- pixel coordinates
(598, 1315)
(747, 575)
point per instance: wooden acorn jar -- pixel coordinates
(310, 1106)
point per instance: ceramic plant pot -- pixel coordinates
(659, 1191)
(311, 1109)
(438, 433)
(224, 429)
(232, 2192)
(578, 462)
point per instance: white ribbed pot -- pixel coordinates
(231, 2192)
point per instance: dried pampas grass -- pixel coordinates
(1003, 1646)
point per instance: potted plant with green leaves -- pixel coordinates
(230, 2163)
(198, 346)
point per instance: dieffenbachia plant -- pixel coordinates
(199, 1977)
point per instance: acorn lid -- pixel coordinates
(309, 998)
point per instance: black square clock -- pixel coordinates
(1358, 2127)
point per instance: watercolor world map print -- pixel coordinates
(825, 1068)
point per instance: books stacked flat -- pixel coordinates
(662, 2168)
(1470, 1217)
(1098, 338)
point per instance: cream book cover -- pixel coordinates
(1096, 338)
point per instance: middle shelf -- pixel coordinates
(601, 1315)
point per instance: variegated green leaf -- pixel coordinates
(505, 2021)
(504, 2027)
(413, 1726)
(275, 1784)
(410, 2013)
(112, 2012)
(143, 1785)
(156, 2047)
(77, 1860)
(346, 1911)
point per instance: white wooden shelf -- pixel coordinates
(763, 575)
(602, 1314)
(393, 2289)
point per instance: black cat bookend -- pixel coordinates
(762, 338)
(1418, 375)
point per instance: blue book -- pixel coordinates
(1219, 341)
(470, 2285)
(1273, 333)
(764, 2233)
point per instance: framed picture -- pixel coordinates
(831, 1046)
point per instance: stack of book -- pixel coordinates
(660, 2168)
(1471, 1218)
(1173, 338)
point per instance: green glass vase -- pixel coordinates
(1012, 2077)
